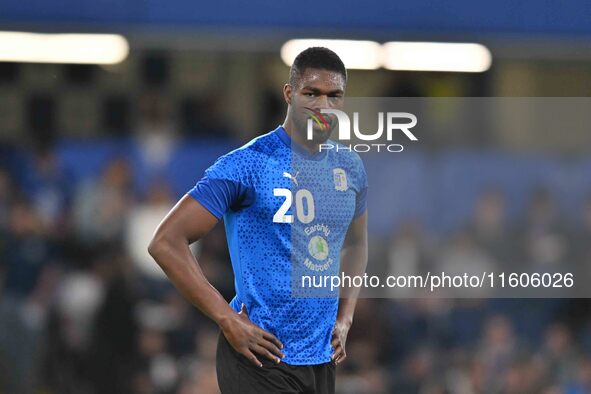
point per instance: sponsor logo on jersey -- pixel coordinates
(318, 248)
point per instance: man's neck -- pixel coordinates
(309, 146)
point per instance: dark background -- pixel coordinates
(92, 158)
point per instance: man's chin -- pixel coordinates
(320, 136)
(320, 133)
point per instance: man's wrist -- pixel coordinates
(345, 320)
(226, 320)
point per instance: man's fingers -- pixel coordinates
(270, 337)
(270, 346)
(261, 350)
(335, 341)
(339, 354)
(338, 349)
(341, 357)
(252, 358)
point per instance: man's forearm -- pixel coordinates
(181, 267)
(353, 263)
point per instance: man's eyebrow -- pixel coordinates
(316, 90)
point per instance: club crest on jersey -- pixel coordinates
(340, 179)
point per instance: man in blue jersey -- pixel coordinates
(290, 211)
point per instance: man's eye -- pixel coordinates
(309, 94)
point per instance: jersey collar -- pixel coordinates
(297, 148)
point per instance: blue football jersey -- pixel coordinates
(286, 212)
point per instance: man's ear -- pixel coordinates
(287, 91)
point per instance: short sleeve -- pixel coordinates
(223, 187)
(360, 202)
(361, 196)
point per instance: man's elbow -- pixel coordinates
(157, 246)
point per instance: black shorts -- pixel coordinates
(237, 375)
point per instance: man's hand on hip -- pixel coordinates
(247, 338)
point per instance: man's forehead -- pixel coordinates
(314, 77)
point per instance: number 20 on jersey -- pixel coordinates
(304, 204)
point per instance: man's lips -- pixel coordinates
(318, 117)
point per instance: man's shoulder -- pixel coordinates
(257, 148)
(245, 160)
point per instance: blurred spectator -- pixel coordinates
(408, 253)
(364, 373)
(27, 264)
(581, 382)
(417, 372)
(413, 323)
(155, 362)
(558, 357)
(49, 187)
(143, 219)
(576, 312)
(28, 256)
(461, 256)
(101, 205)
(488, 225)
(156, 132)
(114, 342)
(498, 350)
(68, 353)
(544, 239)
(521, 376)
(199, 370)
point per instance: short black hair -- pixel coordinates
(316, 57)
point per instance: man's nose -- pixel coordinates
(321, 102)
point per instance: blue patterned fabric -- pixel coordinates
(286, 213)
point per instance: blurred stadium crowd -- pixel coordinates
(84, 309)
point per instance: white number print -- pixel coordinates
(280, 216)
(305, 215)
(301, 195)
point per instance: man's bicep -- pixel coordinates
(188, 219)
